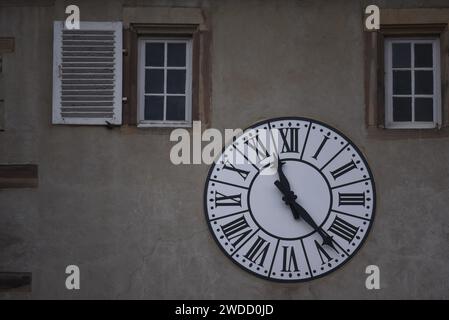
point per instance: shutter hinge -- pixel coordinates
(125, 52)
(111, 125)
(124, 99)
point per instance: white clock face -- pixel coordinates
(291, 207)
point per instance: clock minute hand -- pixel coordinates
(298, 211)
(327, 239)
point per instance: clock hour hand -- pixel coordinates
(289, 197)
(284, 186)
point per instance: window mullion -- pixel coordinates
(165, 80)
(412, 64)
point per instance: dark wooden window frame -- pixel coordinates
(18, 176)
(201, 86)
(374, 78)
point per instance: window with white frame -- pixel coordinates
(165, 82)
(412, 83)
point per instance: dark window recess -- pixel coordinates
(176, 81)
(154, 81)
(423, 55)
(154, 108)
(176, 108)
(15, 281)
(423, 109)
(402, 109)
(154, 54)
(401, 55)
(402, 82)
(423, 82)
(176, 55)
(18, 176)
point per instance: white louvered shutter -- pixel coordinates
(87, 73)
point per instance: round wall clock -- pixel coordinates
(291, 199)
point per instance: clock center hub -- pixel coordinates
(274, 215)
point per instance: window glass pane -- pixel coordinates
(154, 54)
(402, 82)
(176, 81)
(402, 109)
(154, 108)
(424, 109)
(423, 55)
(176, 108)
(176, 55)
(423, 82)
(401, 55)
(154, 81)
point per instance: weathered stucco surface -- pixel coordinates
(111, 202)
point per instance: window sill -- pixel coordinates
(174, 125)
(382, 133)
(415, 126)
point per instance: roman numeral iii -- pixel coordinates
(343, 229)
(351, 199)
(258, 251)
(344, 169)
(236, 230)
(222, 200)
(290, 139)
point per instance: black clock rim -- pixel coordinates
(362, 242)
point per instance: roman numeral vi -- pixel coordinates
(289, 259)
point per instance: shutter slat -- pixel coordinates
(87, 98)
(87, 109)
(86, 32)
(88, 54)
(89, 115)
(87, 70)
(87, 59)
(98, 92)
(77, 87)
(87, 76)
(87, 37)
(87, 103)
(88, 65)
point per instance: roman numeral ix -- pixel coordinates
(222, 200)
